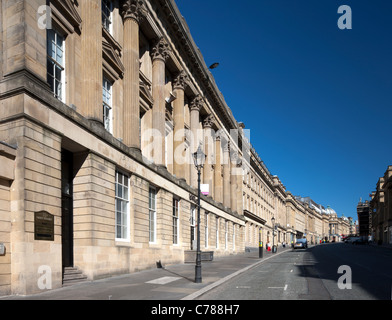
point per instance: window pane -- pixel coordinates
(50, 43)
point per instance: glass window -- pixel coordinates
(107, 104)
(175, 220)
(55, 63)
(107, 8)
(217, 232)
(206, 230)
(226, 233)
(152, 214)
(122, 206)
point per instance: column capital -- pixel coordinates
(160, 49)
(133, 9)
(197, 103)
(226, 146)
(181, 80)
(209, 121)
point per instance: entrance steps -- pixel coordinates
(72, 275)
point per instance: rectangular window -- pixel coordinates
(226, 233)
(217, 232)
(233, 237)
(107, 8)
(206, 230)
(152, 199)
(122, 206)
(55, 63)
(107, 104)
(175, 220)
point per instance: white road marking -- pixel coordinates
(163, 280)
(284, 288)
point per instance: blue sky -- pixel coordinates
(318, 99)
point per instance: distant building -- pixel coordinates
(380, 207)
(363, 211)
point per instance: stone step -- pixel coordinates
(72, 275)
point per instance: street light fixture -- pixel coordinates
(199, 159)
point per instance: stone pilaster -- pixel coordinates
(92, 60)
(159, 54)
(208, 173)
(226, 175)
(179, 151)
(133, 12)
(233, 182)
(239, 177)
(218, 187)
(196, 105)
(23, 41)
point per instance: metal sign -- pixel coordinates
(43, 226)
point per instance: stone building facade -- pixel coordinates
(380, 210)
(102, 104)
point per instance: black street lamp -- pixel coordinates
(199, 158)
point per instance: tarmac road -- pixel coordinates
(312, 274)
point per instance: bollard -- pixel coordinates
(260, 249)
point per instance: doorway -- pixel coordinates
(67, 208)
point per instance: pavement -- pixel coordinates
(172, 282)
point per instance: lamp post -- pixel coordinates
(199, 158)
(273, 233)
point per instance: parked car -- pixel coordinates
(360, 240)
(301, 244)
(351, 239)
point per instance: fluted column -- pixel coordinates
(226, 174)
(233, 182)
(208, 173)
(133, 12)
(196, 105)
(179, 155)
(218, 187)
(159, 54)
(239, 177)
(91, 40)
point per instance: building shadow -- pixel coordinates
(323, 262)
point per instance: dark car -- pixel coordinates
(360, 240)
(301, 244)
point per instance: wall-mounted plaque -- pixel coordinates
(2, 249)
(43, 226)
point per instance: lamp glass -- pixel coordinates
(199, 158)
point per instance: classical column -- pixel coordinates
(209, 147)
(179, 156)
(133, 12)
(159, 53)
(233, 181)
(91, 40)
(239, 177)
(218, 187)
(226, 174)
(196, 105)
